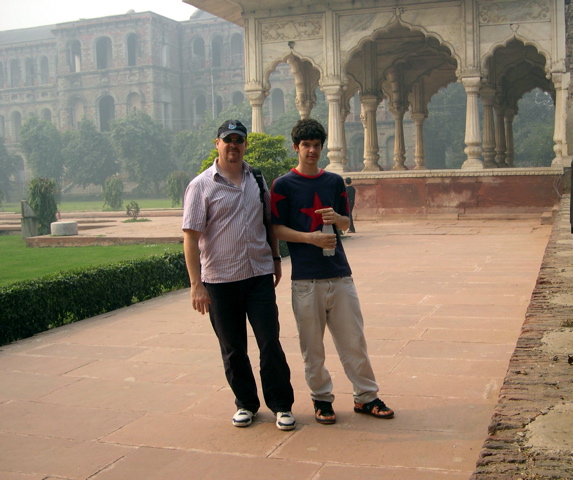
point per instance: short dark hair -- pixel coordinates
(308, 129)
(348, 180)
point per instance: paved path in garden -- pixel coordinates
(140, 393)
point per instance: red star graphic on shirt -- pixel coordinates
(316, 218)
(276, 197)
(345, 195)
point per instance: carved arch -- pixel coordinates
(376, 34)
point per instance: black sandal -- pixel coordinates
(323, 412)
(376, 408)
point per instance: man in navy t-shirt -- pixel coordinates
(323, 291)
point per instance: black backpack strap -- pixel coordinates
(259, 178)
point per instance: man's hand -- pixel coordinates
(200, 298)
(278, 272)
(322, 240)
(328, 215)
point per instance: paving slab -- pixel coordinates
(443, 302)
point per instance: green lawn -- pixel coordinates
(94, 205)
(19, 263)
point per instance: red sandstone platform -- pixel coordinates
(140, 393)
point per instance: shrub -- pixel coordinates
(112, 193)
(176, 185)
(133, 210)
(28, 308)
(42, 199)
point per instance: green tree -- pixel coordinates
(265, 152)
(176, 184)
(89, 155)
(192, 147)
(42, 146)
(112, 193)
(144, 147)
(42, 194)
(533, 130)
(9, 164)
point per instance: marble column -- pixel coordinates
(500, 144)
(369, 104)
(509, 116)
(344, 111)
(256, 96)
(472, 135)
(333, 94)
(561, 84)
(419, 151)
(399, 143)
(487, 100)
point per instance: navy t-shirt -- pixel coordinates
(294, 199)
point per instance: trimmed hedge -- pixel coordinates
(28, 308)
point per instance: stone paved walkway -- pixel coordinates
(530, 434)
(139, 393)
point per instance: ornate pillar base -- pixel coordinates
(372, 167)
(335, 164)
(399, 164)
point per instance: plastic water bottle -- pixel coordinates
(327, 252)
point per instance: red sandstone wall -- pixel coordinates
(376, 197)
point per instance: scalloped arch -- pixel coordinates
(526, 43)
(272, 67)
(399, 23)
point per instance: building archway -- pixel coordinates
(106, 111)
(103, 53)
(198, 52)
(75, 56)
(30, 72)
(44, 70)
(237, 49)
(132, 50)
(15, 73)
(512, 70)
(133, 103)
(16, 119)
(217, 52)
(200, 109)
(77, 111)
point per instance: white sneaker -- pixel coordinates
(285, 421)
(243, 418)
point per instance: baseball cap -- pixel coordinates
(232, 126)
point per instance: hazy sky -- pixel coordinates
(34, 13)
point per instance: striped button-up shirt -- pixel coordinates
(233, 241)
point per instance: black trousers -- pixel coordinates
(231, 304)
(351, 227)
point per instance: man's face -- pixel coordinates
(308, 151)
(229, 148)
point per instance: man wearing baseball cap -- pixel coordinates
(231, 265)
